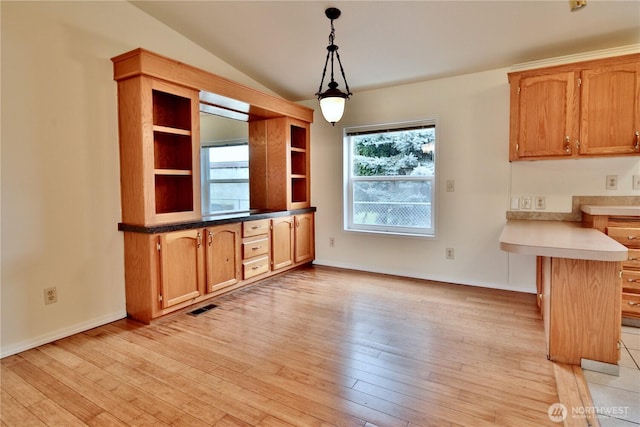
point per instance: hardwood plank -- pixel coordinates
(13, 413)
(315, 346)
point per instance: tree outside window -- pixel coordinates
(390, 182)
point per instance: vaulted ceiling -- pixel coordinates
(282, 44)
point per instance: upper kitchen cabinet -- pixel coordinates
(610, 109)
(544, 115)
(589, 108)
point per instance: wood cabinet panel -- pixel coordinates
(181, 266)
(255, 266)
(628, 236)
(255, 246)
(304, 238)
(610, 110)
(281, 242)
(547, 115)
(584, 312)
(159, 131)
(255, 228)
(279, 152)
(631, 304)
(223, 256)
(626, 230)
(631, 281)
(633, 261)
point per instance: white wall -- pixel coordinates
(473, 114)
(60, 168)
(472, 149)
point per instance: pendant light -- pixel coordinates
(333, 99)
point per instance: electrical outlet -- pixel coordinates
(449, 253)
(540, 203)
(50, 295)
(525, 202)
(451, 186)
(636, 182)
(612, 182)
(332, 242)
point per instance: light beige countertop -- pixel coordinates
(611, 210)
(560, 239)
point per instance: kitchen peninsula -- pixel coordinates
(578, 286)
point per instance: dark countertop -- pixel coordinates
(210, 221)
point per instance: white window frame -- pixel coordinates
(205, 182)
(350, 179)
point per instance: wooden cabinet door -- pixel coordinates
(181, 266)
(304, 238)
(546, 115)
(223, 256)
(610, 110)
(281, 242)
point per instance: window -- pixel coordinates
(390, 178)
(225, 177)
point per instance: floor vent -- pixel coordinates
(201, 310)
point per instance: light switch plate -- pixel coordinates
(525, 202)
(515, 203)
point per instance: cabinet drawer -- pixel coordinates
(633, 260)
(255, 228)
(254, 247)
(254, 267)
(631, 303)
(625, 235)
(631, 279)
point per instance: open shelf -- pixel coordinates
(299, 190)
(298, 163)
(174, 193)
(172, 151)
(173, 146)
(171, 110)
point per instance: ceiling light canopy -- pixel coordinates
(333, 99)
(577, 4)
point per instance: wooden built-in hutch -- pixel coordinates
(175, 257)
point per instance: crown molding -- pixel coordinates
(578, 57)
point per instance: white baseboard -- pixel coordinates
(12, 349)
(412, 275)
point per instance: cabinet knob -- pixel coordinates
(637, 144)
(633, 237)
(634, 303)
(567, 147)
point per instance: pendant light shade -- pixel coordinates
(332, 106)
(332, 101)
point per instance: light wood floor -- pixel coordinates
(313, 347)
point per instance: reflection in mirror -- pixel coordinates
(224, 157)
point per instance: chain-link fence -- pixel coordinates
(393, 213)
